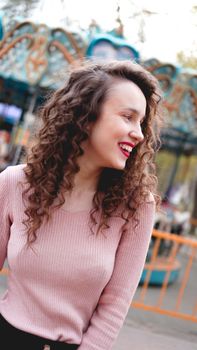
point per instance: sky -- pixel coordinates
(171, 27)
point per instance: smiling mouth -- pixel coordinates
(125, 149)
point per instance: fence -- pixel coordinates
(171, 267)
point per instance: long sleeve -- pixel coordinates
(117, 296)
(4, 215)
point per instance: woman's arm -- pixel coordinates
(114, 303)
(4, 214)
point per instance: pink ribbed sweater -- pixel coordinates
(72, 286)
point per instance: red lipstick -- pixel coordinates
(124, 151)
(127, 143)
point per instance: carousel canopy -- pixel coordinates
(180, 105)
(35, 56)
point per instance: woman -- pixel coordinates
(76, 219)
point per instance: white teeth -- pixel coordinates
(126, 147)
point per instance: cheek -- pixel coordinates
(96, 139)
(95, 134)
(108, 132)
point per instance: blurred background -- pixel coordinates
(40, 39)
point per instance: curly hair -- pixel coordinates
(52, 161)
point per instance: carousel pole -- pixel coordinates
(20, 147)
(179, 152)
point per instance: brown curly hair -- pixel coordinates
(52, 161)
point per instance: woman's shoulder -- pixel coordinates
(150, 198)
(148, 205)
(14, 172)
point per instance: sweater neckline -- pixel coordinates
(87, 211)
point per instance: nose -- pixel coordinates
(136, 134)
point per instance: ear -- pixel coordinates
(90, 126)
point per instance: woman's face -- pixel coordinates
(118, 129)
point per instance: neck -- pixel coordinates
(87, 178)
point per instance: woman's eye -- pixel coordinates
(128, 117)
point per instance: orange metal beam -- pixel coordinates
(180, 315)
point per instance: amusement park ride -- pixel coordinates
(34, 59)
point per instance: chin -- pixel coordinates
(118, 166)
